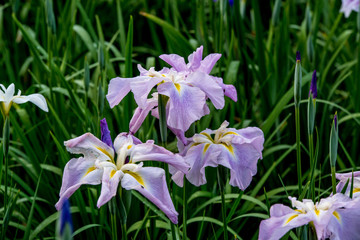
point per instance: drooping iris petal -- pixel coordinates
(91, 147)
(282, 219)
(229, 90)
(35, 98)
(348, 6)
(199, 157)
(105, 133)
(118, 88)
(141, 89)
(150, 152)
(109, 185)
(186, 104)
(174, 60)
(250, 135)
(141, 113)
(151, 183)
(78, 171)
(209, 87)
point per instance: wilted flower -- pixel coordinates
(349, 5)
(344, 177)
(335, 217)
(238, 150)
(100, 165)
(7, 98)
(187, 86)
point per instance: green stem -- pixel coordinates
(6, 141)
(184, 209)
(312, 166)
(333, 180)
(298, 147)
(223, 205)
(113, 208)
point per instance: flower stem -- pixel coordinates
(333, 180)
(312, 166)
(223, 204)
(298, 147)
(6, 141)
(184, 209)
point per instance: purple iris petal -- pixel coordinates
(65, 217)
(231, 3)
(105, 133)
(349, 5)
(298, 58)
(313, 87)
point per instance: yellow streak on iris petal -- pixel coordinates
(90, 170)
(136, 176)
(228, 133)
(129, 146)
(300, 211)
(229, 148)
(178, 87)
(337, 215)
(356, 190)
(112, 173)
(206, 147)
(105, 152)
(207, 135)
(291, 218)
(317, 212)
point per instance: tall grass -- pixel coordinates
(69, 51)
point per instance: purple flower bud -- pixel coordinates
(335, 121)
(65, 217)
(298, 58)
(231, 3)
(105, 133)
(313, 87)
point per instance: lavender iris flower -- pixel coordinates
(335, 217)
(349, 5)
(100, 165)
(187, 86)
(238, 150)
(344, 177)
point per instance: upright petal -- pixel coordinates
(91, 147)
(174, 60)
(229, 90)
(36, 99)
(105, 133)
(141, 89)
(282, 219)
(109, 185)
(195, 59)
(140, 114)
(186, 104)
(209, 86)
(151, 183)
(78, 171)
(209, 62)
(9, 93)
(150, 152)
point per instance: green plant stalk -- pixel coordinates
(113, 208)
(6, 141)
(333, 180)
(312, 165)
(298, 147)
(162, 100)
(223, 204)
(184, 210)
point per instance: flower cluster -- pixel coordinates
(332, 217)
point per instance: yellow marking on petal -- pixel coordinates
(207, 135)
(160, 82)
(105, 152)
(228, 133)
(355, 190)
(317, 212)
(90, 170)
(229, 148)
(300, 211)
(178, 87)
(112, 173)
(291, 218)
(337, 215)
(206, 147)
(136, 176)
(129, 146)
